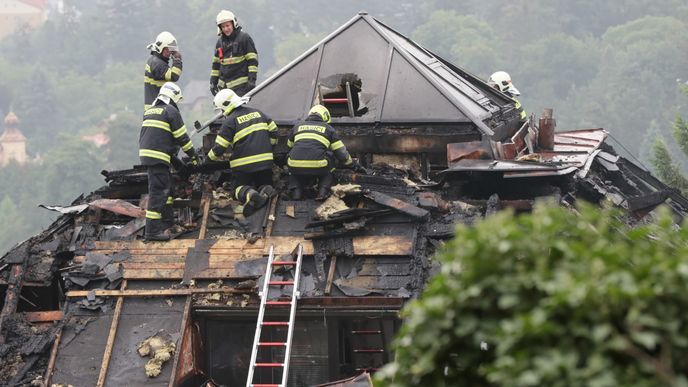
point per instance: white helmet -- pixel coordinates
(501, 80)
(228, 100)
(223, 17)
(169, 92)
(164, 39)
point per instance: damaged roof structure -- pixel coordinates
(86, 303)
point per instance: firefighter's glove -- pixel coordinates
(176, 55)
(357, 167)
(213, 89)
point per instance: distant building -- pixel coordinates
(98, 139)
(196, 95)
(12, 142)
(15, 14)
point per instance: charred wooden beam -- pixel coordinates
(399, 205)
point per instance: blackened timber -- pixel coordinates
(397, 204)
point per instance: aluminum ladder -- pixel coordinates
(264, 303)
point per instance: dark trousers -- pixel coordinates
(297, 183)
(159, 190)
(243, 182)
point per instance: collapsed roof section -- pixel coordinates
(392, 80)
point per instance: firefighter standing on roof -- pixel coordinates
(314, 148)
(235, 60)
(162, 133)
(157, 70)
(251, 135)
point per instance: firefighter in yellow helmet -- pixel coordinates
(314, 149)
(158, 71)
(501, 80)
(235, 60)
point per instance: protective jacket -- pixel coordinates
(313, 143)
(251, 134)
(158, 72)
(162, 133)
(521, 112)
(235, 62)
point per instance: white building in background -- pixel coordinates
(15, 14)
(12, 142)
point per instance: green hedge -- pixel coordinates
(551, 298)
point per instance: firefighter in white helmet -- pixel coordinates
(235, 59)
(501, 80)
(162, 134)
(250, 134)
(158, 71)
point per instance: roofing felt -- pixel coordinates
(401, 82)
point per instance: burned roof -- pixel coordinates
(393, 80)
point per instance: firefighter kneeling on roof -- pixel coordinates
(251, 135)
(162, 133)
(314, 148)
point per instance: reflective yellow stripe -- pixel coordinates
(216, 59)
(307, 163)
(312, 136)
(214, 73)
(153, 215)
(170, 200)
(272, 126)
(236, 192)
(153, 82)
(168, 75)
(179, 132)
(251, 55)
(348, 161)
(237, 82)
(273, 141)
(154, 154)
(177, 70)
(157, 124)
(251, 159)
(248, 130)
(148, 68)
(187, 146)
(232, 60)
(221, 83)
(221, 141)
(290, 143)
(211, 155)
(336, 145)
(252, 69)
(146, 107)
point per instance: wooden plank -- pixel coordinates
(154, 292)
(206, 209)
(111, 338)
(47, 316)
(154, 274)
(330, 275)
(137, 244)
(272, 216)
(399, 205)
(182, 331)
(53, 357)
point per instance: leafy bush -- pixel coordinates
(551, 299)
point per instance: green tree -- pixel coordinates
(551, 299)
(11, 232)
(667, 170)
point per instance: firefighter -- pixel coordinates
(251, 135)
(157, 70)
(314, 148)
(501, 80)
(235, 60)
(162, 133)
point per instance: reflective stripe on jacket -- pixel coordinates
(156, 73)
(162, 132)
(311, 141)
(251, 135)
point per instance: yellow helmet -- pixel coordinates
(321, 111)
(501, 80)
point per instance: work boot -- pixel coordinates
(268, 190)
(324, 184)
(154, 231)
(256, 200)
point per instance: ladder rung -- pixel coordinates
(272, 344)
(269, 364)
(366, 332)
(281, 283)
(335, 100)
(277, 303)
(284, 263)
(369, 350)
(266, 385)
(276, 323)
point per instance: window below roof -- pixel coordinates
(341, 95)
